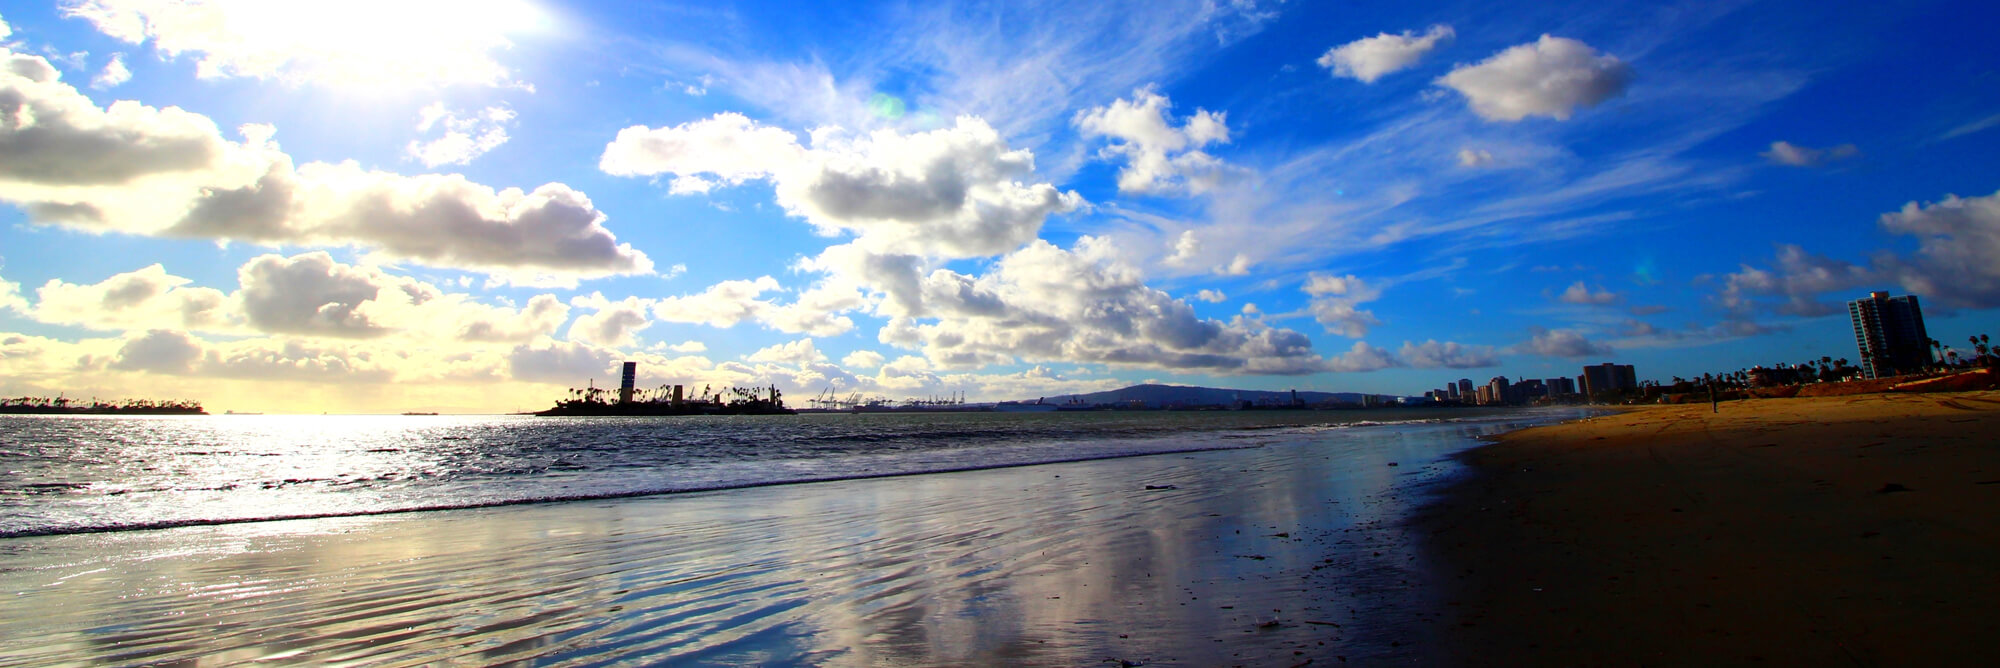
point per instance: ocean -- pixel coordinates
(924, 539)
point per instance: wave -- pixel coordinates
(586, 496)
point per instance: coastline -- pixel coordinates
(1290, 551)
(1850, 530)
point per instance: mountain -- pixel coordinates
(1154, 396)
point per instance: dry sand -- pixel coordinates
(1857, 530)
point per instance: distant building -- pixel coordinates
(1608, 377)
(627, 381)
(1889, 331)
(1465, 389)
(1530, 389)
(1499, 388)
(1561, 386)
(1485, 395)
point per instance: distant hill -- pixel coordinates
(1168, 395)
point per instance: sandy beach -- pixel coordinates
(1860, 530)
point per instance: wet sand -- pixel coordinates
(1290, 552)
(1857, 530)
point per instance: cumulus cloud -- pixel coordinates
(1361, 358)
(1958, 240)
(168, 172)
(10, 297)
(721, 305)
(1335, 302)
(801, 351)
(1211, 296)
(1474, 158)
(863, 359)
(729, 147)
(306, 295)
(463, 136)
(1432, 354)
(1800, 278)
(1046, 304)
(947, 192)
(361, 42)
(1560, 343)
(609, 324)
(148, 298)
(1552, 77)
(313, 294)
(159, 351)
(1578, 293)
(113, 75)
(1787, 153)
(1369, 58)
(1160, 158)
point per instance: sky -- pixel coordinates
(475, 205)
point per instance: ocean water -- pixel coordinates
(1196, 539)
(79, 474)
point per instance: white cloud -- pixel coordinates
(5, 31)
(1432, 354)
(1578, 293)
(148, 298)
(1370, 58)
(1787, 153)
(728, 146)
(863, 359)
(10, 294)
(1160, 158)
(1800, 278)
(1468, 157)
(1958, 240)
(721, 305)
(354, 43)
(610, 324)
(1552, 76)
(1361, 358)
(306, 295)
(951, 191)
(464, 136)
(168, 172)
(1045, 304)
(1335, 300)
(113, 75)
(1211, 296)
(1568, 343)
(801, 351)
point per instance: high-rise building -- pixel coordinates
(1465, 389)
(1562, 385)
(627, 381)
(1608, 377)
(1889, 331)
(1502, 392)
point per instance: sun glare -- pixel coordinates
(366, 43)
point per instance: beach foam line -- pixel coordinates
(604, 496)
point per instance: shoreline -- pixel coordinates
(1293, 550)
(1848, 529)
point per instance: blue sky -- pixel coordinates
(469, 206)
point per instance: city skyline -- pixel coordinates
(465, 206)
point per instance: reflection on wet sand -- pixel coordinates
(1266, 556)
